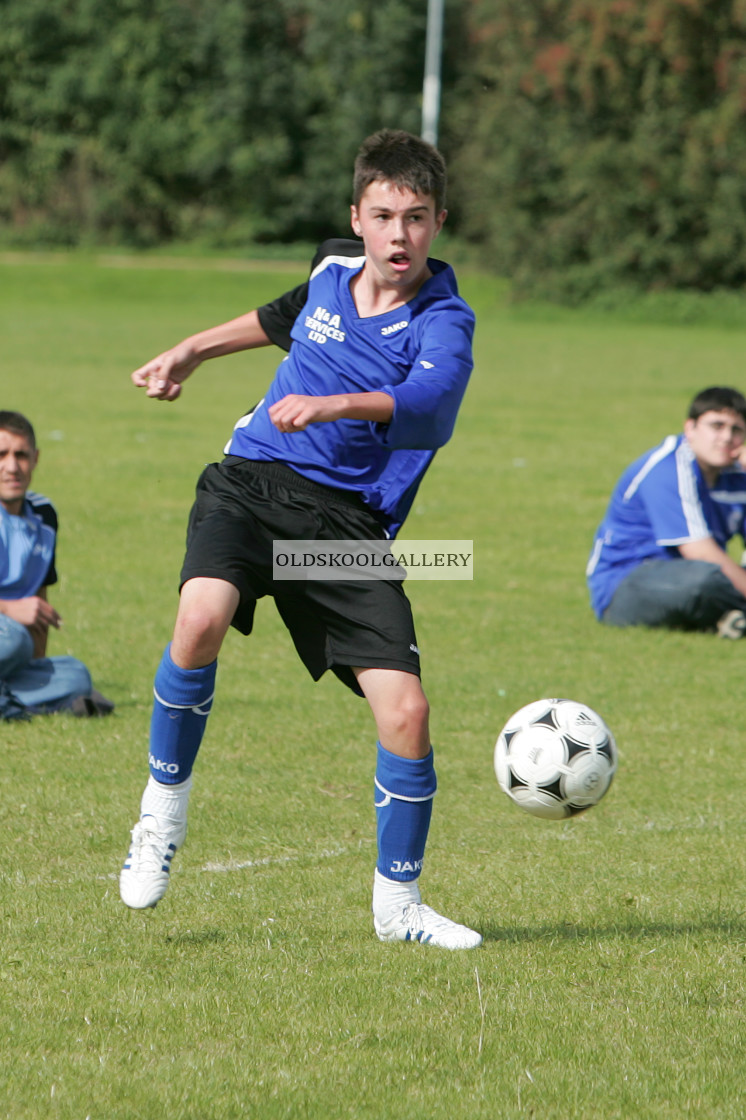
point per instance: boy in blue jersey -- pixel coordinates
(30, 682)
(379, 355)
(660, 555)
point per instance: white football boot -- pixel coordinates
(418, 922)
(143, 880)
(400, 915)
(160, 831)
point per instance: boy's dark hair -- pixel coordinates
(17, 423)
(399, 157)
(718, 399)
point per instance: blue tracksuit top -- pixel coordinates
(27, 548)
(660, 502)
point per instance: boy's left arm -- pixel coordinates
(295, 412)
(426, 403)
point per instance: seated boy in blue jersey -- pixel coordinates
(30, 682)
(379, 357)
(660, 555)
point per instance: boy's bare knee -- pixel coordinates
(407, 721)
(197, 618)
(416, 711)
(198, 635)
(206, 608)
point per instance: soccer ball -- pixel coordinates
(555, 758)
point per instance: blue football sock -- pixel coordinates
(183, 699)
(405, 788)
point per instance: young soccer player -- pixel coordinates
(379, 345)
(660, 555)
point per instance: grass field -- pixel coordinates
(611, 982)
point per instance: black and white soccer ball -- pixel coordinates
(555, 758)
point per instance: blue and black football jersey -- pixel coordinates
(419, 353)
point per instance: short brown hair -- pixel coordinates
(17, 423)
(399, 157)
(717, 399)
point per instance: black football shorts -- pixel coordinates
(241, 507)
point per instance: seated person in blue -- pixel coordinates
(660, 554)
(30, 682)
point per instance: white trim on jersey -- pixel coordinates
(37, 500)
(665, 449)
(690, 503)
(243, 422)
(728, 497)
(346, 262)
(674, 542)
(595, 556)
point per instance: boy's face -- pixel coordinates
(17, 461)
(397, 226)
(716, 438)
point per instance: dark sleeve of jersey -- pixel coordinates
(277, 317)
(48, 514)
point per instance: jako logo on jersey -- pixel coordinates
(164, 767)
(427, 365)
(398, 867)
(322, 325)
(395, 327)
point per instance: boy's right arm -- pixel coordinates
(162, 376)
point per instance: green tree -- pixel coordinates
(144, 120)
(605, 143)
(136, 117)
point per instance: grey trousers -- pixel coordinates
(679, 594)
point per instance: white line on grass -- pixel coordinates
(268, 861)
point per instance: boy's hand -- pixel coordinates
(162, 377)
(295, 412)
(34, 612)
